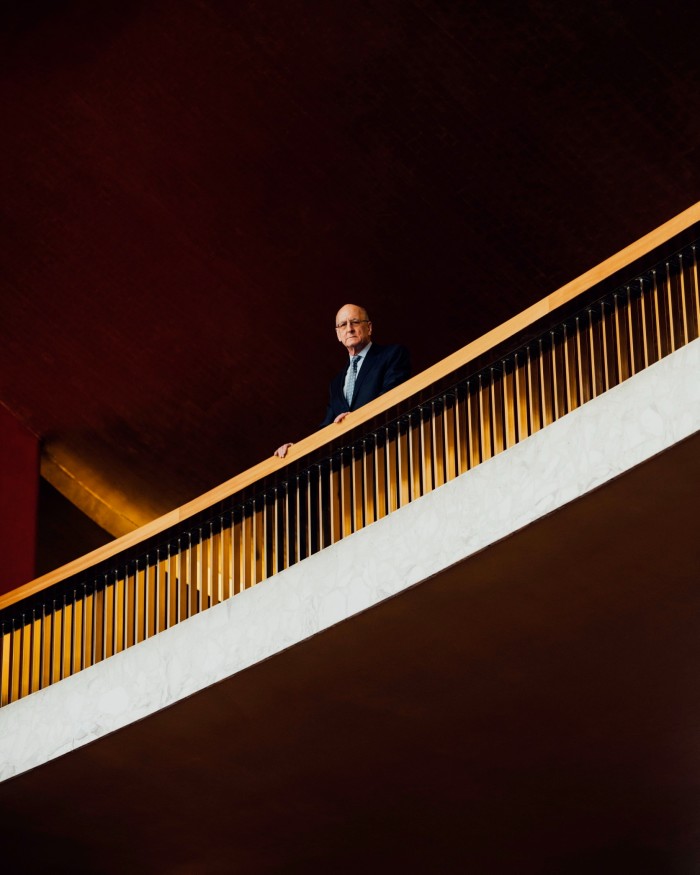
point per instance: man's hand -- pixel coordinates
(341, 416)
(281, 452)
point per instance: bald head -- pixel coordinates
(354, 308)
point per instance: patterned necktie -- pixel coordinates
(352, 376)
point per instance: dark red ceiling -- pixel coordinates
(190, 191)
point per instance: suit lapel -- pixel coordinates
(338, 390)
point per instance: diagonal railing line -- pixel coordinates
(680, 228)
(339, 487)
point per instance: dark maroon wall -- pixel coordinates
(190, 191)
(19, 490)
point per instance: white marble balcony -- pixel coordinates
(587, 448)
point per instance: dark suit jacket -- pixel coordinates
(383, 368)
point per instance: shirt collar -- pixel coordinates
(361, 354)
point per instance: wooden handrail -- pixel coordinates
(422, 382)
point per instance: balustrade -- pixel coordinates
(51, 631)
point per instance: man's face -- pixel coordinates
(355, 330)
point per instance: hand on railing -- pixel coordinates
(281, 452)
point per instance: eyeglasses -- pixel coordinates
(349, 323)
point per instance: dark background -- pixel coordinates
(190, 190)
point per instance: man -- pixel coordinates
(371, 369)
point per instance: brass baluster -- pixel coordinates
(485, 445)
(655, 301)
(174, 585)
(15, 663)
(357, 497)
(472, 409)
(631, 332)
(238, 549)
(403, 460)
(520, 397)
(545, 387)
(112, 594)
(108, 603)
(510, 410)
(413, 456)
(437, 419)
(581, 362)
(215, 563)
(647, 334)
(461, 430)
(369, 481)
(497, 412)
(30, 656)
(324, 502)
(123, 589)
(304, 517)
(24, 652)
(568, 359)
(595, 343)
(69, 627)
(534, 406)
(54, 642)
(556, 369)
(44, 645)
(311, 521)
(204, 578)
(76, 624)
(131, 611)
(449, 438)
(158, 593)
(227, 555)
(249, 545)
(426, 450)
(141, 600)
(682, 302)
(336, 499)
(281, 504)
(696, 291)
(621, 340)
(391, 469)
(380, 473)
(293, 502)
(83, 634)
(345, 495)
(317, 510)
(4, 662)
(670, 310)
